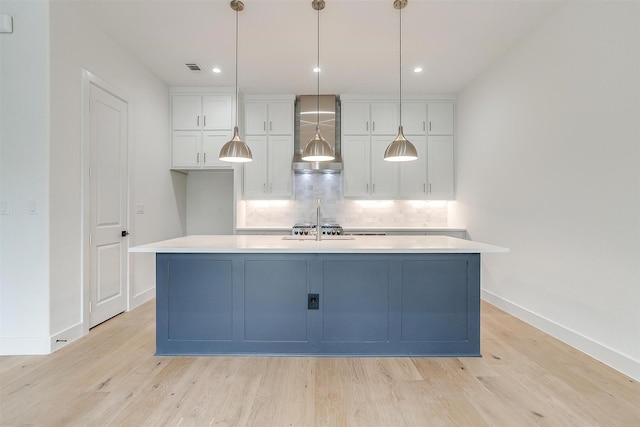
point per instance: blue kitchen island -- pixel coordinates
(369, 295)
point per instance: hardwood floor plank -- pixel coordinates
(112, 378)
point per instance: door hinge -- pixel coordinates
(90, 307)
(90, 240)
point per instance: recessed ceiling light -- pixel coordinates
(417, 70)
(317, 69)
(216, 70)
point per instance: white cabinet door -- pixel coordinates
(356, 175)
(255, 118)
(212, 143)
(280, 115)
(280, 153)
(440, 167)
(355, 118)
(186, 149)
(414, 118)
(255, 172)
(384, 118)
(384, 175)
(217, 112)
(440, 118)
(186, 112)
(413, 175)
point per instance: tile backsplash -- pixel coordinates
(346, 212)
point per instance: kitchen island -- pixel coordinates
(362, 295)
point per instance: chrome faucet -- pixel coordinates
(318, 231)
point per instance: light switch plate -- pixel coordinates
(139, 208)
(6, 23)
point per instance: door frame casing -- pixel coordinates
(88, 79)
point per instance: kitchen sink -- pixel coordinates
(329, 237)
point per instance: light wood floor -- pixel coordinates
(111, 378)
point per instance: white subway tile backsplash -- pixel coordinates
(348, 213)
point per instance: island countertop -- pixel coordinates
(280, 244)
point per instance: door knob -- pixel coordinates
(125, 233)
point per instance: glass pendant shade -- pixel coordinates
(401, 149)
(235, 150)
(318, 149)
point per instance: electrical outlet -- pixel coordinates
(313, 301)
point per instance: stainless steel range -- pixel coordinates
(308, 229)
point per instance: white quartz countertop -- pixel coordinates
(277, 244)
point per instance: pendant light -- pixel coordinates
(318, 149)
(401, 149)
(236, 150)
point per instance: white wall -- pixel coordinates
(210, 202)
(24, 169)
(75, 45)
(548, 165)
(42, 65)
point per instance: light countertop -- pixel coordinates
(277, 244)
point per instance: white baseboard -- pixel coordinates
(63, 338)
(604, 354)
(142, 297)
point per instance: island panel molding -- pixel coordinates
(369, 304)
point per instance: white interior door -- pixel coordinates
(108, 205)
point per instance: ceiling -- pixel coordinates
(454, 41)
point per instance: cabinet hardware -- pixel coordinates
(367, 187)
(374, 188)
(373, 126)
(429, 125)
(429, 188)
(264, 187)
(198, 120)
(205, 156)
(264, 125)
(270, 126)
(424, 126)
(424, 187)
(205, 121)
(198, 158)
(367, 124)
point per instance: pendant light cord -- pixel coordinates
(318, 78)
(237, 100)
(400, 66)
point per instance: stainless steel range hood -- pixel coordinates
(305, 129)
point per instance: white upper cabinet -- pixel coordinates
(268, 117)
(217, 112)
(427, 123)
(366, 174)
(268, 176)
(413, 175)
(355, 118)
(356, 176)
(201, 122)
(186, 112)
(414, 118)
(211, 112)
(384, 118)
(440, 118)
(268, 124)
(369, 118)
(440, 168)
